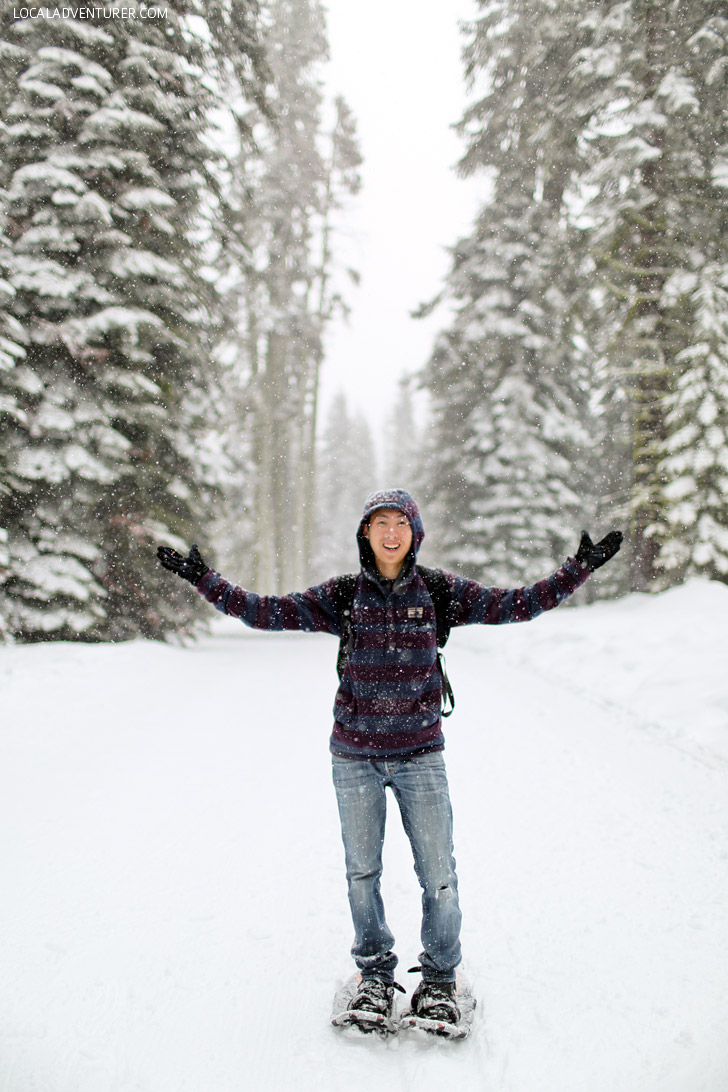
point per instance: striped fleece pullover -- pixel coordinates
(388, 701)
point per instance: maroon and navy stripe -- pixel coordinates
(388, 701)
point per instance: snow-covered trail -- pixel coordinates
(174, 913)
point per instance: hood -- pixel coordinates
(401, 501)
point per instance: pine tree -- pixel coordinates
(596, 271)
(341, 180)
(304, 175)
(510, 386)
(105, 170)
(657, 95)
(13, 377)
(696, 460)
(512, 413)
(402, 442)
(347, 474)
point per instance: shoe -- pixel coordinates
(435, 1001)
(374, 995)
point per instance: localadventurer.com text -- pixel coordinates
(109, 12)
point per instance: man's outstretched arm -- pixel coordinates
(311, 611)
(494, 606)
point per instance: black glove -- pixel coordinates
(191, 568)
(592, 555)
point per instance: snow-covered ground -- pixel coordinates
(174, 914)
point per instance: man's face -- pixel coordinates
(390, 537)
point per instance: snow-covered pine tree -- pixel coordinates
(12, 416)
(12, 342)
(695, 463)
(696, 460)
(402, 443)
(449, 486)
(507, 431)
(284, 295)
(657, 97)
(342, 180)
(509, 385)
(347, 474)
(105, 169)
(50, 455)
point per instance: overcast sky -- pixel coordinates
(398, 65)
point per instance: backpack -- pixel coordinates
(445, 614)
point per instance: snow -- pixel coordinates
(43, 175)
(48, 237)
(144, 197)
(86, 466)
(88, 83)
(9, 405)
(53, 575)
(126, 319)
(111, 122)
(43, 89)
(37, 464)
(720, 173)
(52, 418)
(85, 32)
(93, 206)
(55, 541)
(679, 93)
(145, 263)
(70, 59)
(11, 348)
(175, 914)
(27, 380)
(46, 277)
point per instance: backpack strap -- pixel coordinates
(445, 607)
(342, 596)
(446, 611)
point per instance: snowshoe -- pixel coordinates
(366, 1004)
(441, 1008)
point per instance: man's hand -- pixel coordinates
(191, 568)
(592, 555)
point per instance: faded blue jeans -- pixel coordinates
(420, 788)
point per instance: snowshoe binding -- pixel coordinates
(441, 1008)
(367, 1004)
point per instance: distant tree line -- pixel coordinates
(168, 199)
(583, 377)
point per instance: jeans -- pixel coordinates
(420, 788)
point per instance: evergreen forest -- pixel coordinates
(583, 379)
(173, 189)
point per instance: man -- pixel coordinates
(387, 721)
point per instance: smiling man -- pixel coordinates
(390, 537)
(387, 730)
